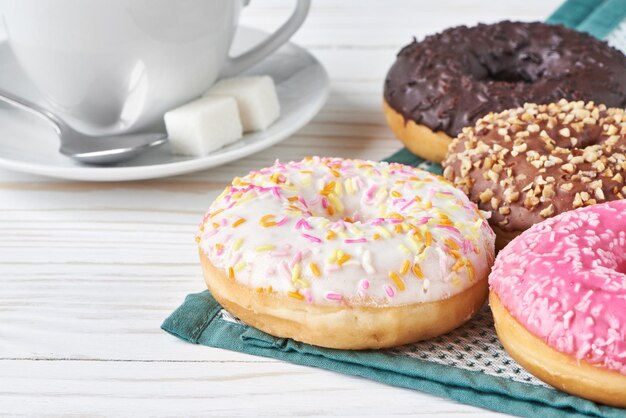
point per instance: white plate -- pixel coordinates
(28, 145)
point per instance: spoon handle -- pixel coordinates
(32, 108)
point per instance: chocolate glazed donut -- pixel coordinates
(449, 80)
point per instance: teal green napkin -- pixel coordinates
(467, 365)
(596, 17)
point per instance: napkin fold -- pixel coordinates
(468, 365)
(596, 17)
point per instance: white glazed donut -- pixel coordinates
(346, 253)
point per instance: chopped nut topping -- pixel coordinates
(599, 194)
(599, 166)
(486, 195)
(590, 121)
(526, 157)
(548, 191)
(578, 201)
(466, 165)
(595, 184)
(511, 195)
(612, 140)
(531, 202)
(493, 176)
(533, 128)
(520, 147)
(590, 156)
(547, 211)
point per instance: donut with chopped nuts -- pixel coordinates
(448, 80)
(530, 163)
(558, 297)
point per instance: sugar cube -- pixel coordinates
(256, 99)
(202, 126)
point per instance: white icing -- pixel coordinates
(280, 256)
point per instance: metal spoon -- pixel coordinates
(85, 148)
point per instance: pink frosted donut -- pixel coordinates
(558, 295)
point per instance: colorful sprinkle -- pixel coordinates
(397, 280)
(343, 258)
(266, 222)
(404, 249)
(366, 262)
(315, 269)
(295, 272)
(405, 267)
(417, 271)
(295, 295)
(303, 224)
(333, 296)
(312, 238)
(238, 222)
(355, 241)
(383, 231)
(217, 212)
(237, 244)
(389, 291)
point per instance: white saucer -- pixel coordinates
(28, 145)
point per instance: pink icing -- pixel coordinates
(564, 280)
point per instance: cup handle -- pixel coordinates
(235, 65)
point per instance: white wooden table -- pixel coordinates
(88, 271)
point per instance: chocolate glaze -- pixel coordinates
(528, 164)
(449, 80)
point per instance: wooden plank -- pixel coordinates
(369, 24)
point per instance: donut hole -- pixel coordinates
(353, 210)
(358, 207)
(513, 68)
(509, 75)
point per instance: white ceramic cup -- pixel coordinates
(112, 66)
